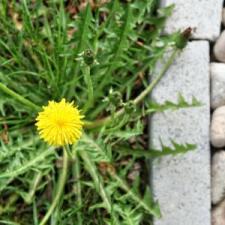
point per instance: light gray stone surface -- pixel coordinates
(218, 127)
(182, 183)
(205, 15)
(218, 175)
(217, 74)
(219, 48)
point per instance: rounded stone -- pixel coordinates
(223, 16)
(217, 179)
(219, 48)
(217, 71)
(218, 214)
(218, 127)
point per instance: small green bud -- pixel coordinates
(115, 97)
(129, 107)
(182, 38)
(89, 57)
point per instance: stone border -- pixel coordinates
(182, 184)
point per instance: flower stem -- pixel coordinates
(98, 182)
(77, 188)
(150, 87)
(140, 97)
(88, 81)
(60, 188)
(33, 187)
(19, 97)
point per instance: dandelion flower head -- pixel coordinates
(60, 123)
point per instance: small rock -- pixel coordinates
(218, 174)
(223, 16)
(218, 214)
(219, 48)
(217, 84)
(218, 127)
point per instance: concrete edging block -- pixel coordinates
(181, 184)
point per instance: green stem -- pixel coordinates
(140, 97)
(33, 187)
(91, 168)
(157, 79)
(67, 148)
(77, 188)
(60, 188)
(88, 81)
(19, 97)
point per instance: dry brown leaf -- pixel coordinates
(106, 167)
(15, 17)
(4, 134)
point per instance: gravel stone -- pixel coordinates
(223, 16)
(219, 48)
(218, 127)
(218, 174)
(217, 71)
(218, 214)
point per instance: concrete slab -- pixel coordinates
(182, 183)
(205, 16)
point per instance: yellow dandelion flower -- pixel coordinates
(60, 123)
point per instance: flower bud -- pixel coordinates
(115, 97)
(129, 107)
(182, 38)
(89, 57)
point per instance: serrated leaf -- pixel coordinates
(148, 206)
(153, 153)
(148, 199)
(169, 105)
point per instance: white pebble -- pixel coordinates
(218, 127)
(218, 215)
(219, 48)
(217, 84)
(218, 175)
